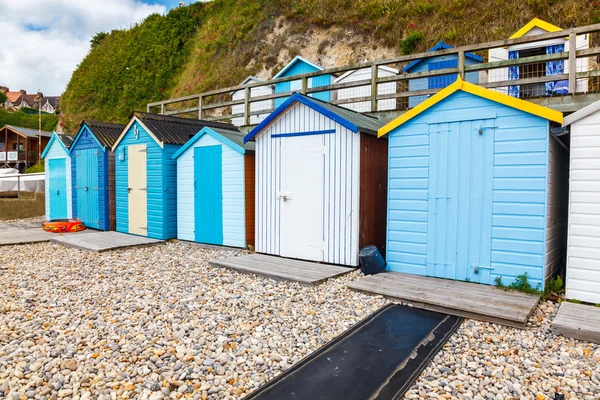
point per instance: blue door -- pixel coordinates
(86, 187)
(57, 184)
(460, 200)
(208, 195)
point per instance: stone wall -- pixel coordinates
(28, 206)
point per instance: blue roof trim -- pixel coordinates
(84, 126)
(295, 97)
(307, 133)
(207, 131)
(441, 46)
(294, 61)
(49, 145)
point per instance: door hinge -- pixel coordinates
(144, 189)
(143, 150)
(144, 228)
(439, 197)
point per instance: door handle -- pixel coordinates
(86, 188)
(58, 192)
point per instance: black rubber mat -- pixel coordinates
(379, 358)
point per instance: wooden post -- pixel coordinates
(461, 64)
(304, 85)
(572, 63)
(199, 107)
(247, 106)
(374, 73)
(162, 108)
(148, 108)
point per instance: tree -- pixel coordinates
(3, 98)
(97, 39)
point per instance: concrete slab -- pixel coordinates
(24, 236)
(469, 300)
(578, 321)
(104, 241)
(279, 268)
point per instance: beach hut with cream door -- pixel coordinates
(583, 254)
(298, 66)
(321, 178)
(476, 188)
(365, 91)
(537, 70)
(57, 163)
(256, 106)
(93, 170)
(146, 173)
(215, 189)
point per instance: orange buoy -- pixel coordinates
(63, 226)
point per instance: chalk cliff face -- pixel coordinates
(205, 46)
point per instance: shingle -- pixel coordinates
(106, 133)
(33, 133)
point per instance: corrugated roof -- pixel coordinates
(66, 139)
(33, 133)
(105, 132)
(176, 130)
(236, 137)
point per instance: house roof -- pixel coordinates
(354, 121)
(582, 113)
(30, 99)
(535, 23)
(234, 139)
(381, 67)
(492, 95)
(30, 133)
(297, 59)
(106, 133)
(54, 101)
(441, 46)
(14, 97)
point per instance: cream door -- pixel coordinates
(138, 191)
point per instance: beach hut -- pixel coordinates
(256, 106)
(57, 163)
(583, 254)
(215, 188)
(536, 70)
(476, 186)
(434, 64)
(146, 173)
(321, 178)
(93, 170)
(365, 91)
(298, 66)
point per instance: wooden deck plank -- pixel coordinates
(578, 321)
(278, 268)
(104, 241)
(469, 300)
(29, 235)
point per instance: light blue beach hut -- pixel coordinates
(93, 174)
(474, 191)
(146, 173)
(298, 66)
(434, 64)
(57, 163)
(215, 188)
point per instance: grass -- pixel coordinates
(553, 290)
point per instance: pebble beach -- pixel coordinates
(159, 322)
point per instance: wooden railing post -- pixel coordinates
(199, 107)
(374, 73)
(304, 85)
(247, 106)
(461, 64)
(162, 108)
(572, 63)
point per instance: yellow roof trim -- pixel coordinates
(535, 23)
(497, 97)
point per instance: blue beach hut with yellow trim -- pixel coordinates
(475, 188)
(215, 188)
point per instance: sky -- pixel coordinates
(42, 41)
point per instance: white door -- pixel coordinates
(301, 197)
(137, 188)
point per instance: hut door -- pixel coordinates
(208, 195)
(301, 197)
(57, 188)
(460, 200)
(136, 175)
(86, 187)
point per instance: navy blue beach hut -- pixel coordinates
(57, 162)
(476, 188)
(434, 64)
(93, 174)
(146, 173)
(298, 66)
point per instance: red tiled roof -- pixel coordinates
(14, 97)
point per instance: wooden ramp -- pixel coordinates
(578, 321)
(11, 237)
(104, 241)
(284, 269)
(469, 300)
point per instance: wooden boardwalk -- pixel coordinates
(279, 268)
(104, 241)
(12, 237)
(578, 321)
(469, 300)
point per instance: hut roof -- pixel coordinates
(30, 133)
(106, 133)
(232, 138)
(535, 23)
(441, 46)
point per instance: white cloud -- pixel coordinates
(42, 41)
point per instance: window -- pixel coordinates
(535, 70)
